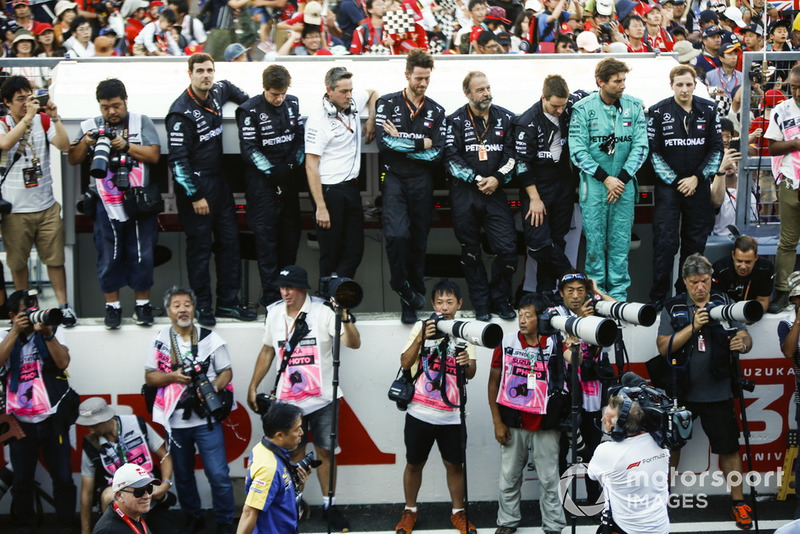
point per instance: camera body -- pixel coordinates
(308, 462)
(197, 371)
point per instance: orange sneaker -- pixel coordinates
(741, 514)
(459, 521)
(407, 521)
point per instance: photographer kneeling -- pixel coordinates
(701, 349)
(273, 482)
(633, 470)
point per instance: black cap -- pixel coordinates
(753, 27)
(708, 16)
(293, 276)
(780, 22)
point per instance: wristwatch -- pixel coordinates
(350, 318)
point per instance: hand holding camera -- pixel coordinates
(701, 319)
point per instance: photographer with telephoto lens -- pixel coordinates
(39, 397)
(274, 483)
(633, 470)
(121, 146)
(191, 368)
(699, 349)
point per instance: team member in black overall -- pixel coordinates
(205, 201)
(271, 142)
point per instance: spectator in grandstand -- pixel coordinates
(65, 12)
(555, 14)
(135, 14)
(521, 30)
(635, 31)
(587, 43)
(80, 43)
(744, 275)
(530, 363)
(404, 43)
(712, 41)
(779, 36)
(753, 36)
(47, 45)
(155, 38)
(236, 53)
(609, 153)
(487, 43)
(125, 241)
(565, 44)
(369, 36)
(305, 43)
(477, 12)
(411, 140)
(753, 11)
(496, 20)
(350, 14)
(783, 142)
(113, 441)
(657, 37)
(191, 28)
(789, 338)
(731, 19)
(24, 17)
(686, 52)
(726, 77)
(35, 218)
(686, 150)
(23, 47)
(205, 202)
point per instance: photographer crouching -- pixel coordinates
(191, 368)
(634, 472)
(701, 351)
(274, 483)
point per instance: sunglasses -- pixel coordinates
(139, 492)
(576, 276)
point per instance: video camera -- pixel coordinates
(51, 317)
(630, 312)
(594, 330)
(488, 335)
(209, 399)
(670, 425)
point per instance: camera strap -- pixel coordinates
(299, 331)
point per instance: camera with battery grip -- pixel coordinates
(207, 401)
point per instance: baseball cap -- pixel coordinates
(708, 16)
(727, 47)
(711, 30)
(131, 476)
(781, 22)
(773, 97)
(233, 51)
(323, 52)
(734, 14)
(22, 36)
(755, 28)
(129, 7)
(498, 14)
(587, 41)
(18, 2)
(93, 411)
(624, 8)
(533, 5)
(312, 14)
(686, 52)
(293, 276)
(43, 27)
(604, 7)
(504, 38)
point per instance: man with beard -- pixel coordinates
(480, 159)
(411, 139)
(205, 202)
(744, 275)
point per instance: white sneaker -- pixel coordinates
(69, 318)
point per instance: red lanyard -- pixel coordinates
(472, 118)
(127, 520)
(215, 111)
(413, 112)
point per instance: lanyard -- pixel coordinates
(721, 75)
(214, 111)
(128, 521)
(412, 111)
(339, 118)
(472, 118)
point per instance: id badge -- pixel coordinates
(483, 154)
(29, 177)
(531, 381)
(701, 343)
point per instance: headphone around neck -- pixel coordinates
(330, 107)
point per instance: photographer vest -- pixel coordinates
(524, 374)
(34, 385)
(25, 169)
(131, 448)
(106, 187)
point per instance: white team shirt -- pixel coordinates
(336, 139)
(784, 125)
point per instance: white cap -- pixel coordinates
(587, 41)
(734, 14)
(534, 5)
(604, 7)
(131, 476)
(64, 5)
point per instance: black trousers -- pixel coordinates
(695, 218)
(546, 242)
(473, 210)
(342, 245)
(407, 212)
(216, 232)
(275, 221)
